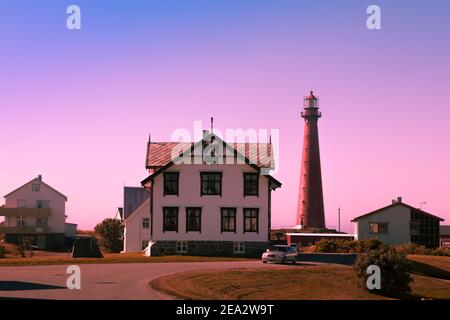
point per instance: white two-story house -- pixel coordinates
(205, 198)
(36, 211)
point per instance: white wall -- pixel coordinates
(189, 196)
(398, 217)
(57, 203)
(133, 232)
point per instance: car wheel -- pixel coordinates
(283, 261)
(294, 261)
(264, 261)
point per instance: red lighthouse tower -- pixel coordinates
(310, 210)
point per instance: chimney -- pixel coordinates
(205, 133)
(394, 201)
(39, 177)
(399, 199)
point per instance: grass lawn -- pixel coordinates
(431, 276)
(64, 258)
(307, 282)
(304, 282)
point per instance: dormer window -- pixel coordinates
(36, 187)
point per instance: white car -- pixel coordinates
(280, 254)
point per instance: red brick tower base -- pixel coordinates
(310, 209)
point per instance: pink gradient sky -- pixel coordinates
(77, 107)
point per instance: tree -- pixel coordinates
(110, 232)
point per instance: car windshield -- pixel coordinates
(279, 248)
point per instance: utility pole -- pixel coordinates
(339, 219)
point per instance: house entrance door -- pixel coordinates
(41, 242)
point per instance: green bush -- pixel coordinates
(2, 252)
(412, 248)
(394, 267)
(348, 246)
(110, 232)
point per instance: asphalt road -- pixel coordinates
(103, 281)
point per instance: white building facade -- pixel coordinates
(36, 211)
(399, 223)
(196, 207)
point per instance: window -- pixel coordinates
(144, 244)
(41, 222)
(145, 223)
(193, 219)
(21, 221)
(21, 203)
(238, 247)
(42, 204)
(181, 246)
(171, 180)
(251, 219)
(414, 227)
(378, 227)
(211, 183)
(228, 221)
(251, 183)
(170, 219)
(35, 187)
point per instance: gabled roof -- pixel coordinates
(162, 160)
(397, 204)
(37, 180)
(159, 154)
(133, 197)
(135, 210)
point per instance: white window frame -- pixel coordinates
(182, 246)
(239, 247)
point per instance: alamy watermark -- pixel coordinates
(373, 22)
(73, 21)
(374, 280)
(74, 280)
(252, 146)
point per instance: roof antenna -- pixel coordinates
(212, 124)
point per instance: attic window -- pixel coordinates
(36, 187)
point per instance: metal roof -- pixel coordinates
(159, 154)
(320, 234)
(133, 197)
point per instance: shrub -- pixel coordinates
(413, 248)
(394, 267)
(2, 252)
(441, 252)
(25, 248)
(348, 246)
(110, 232)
